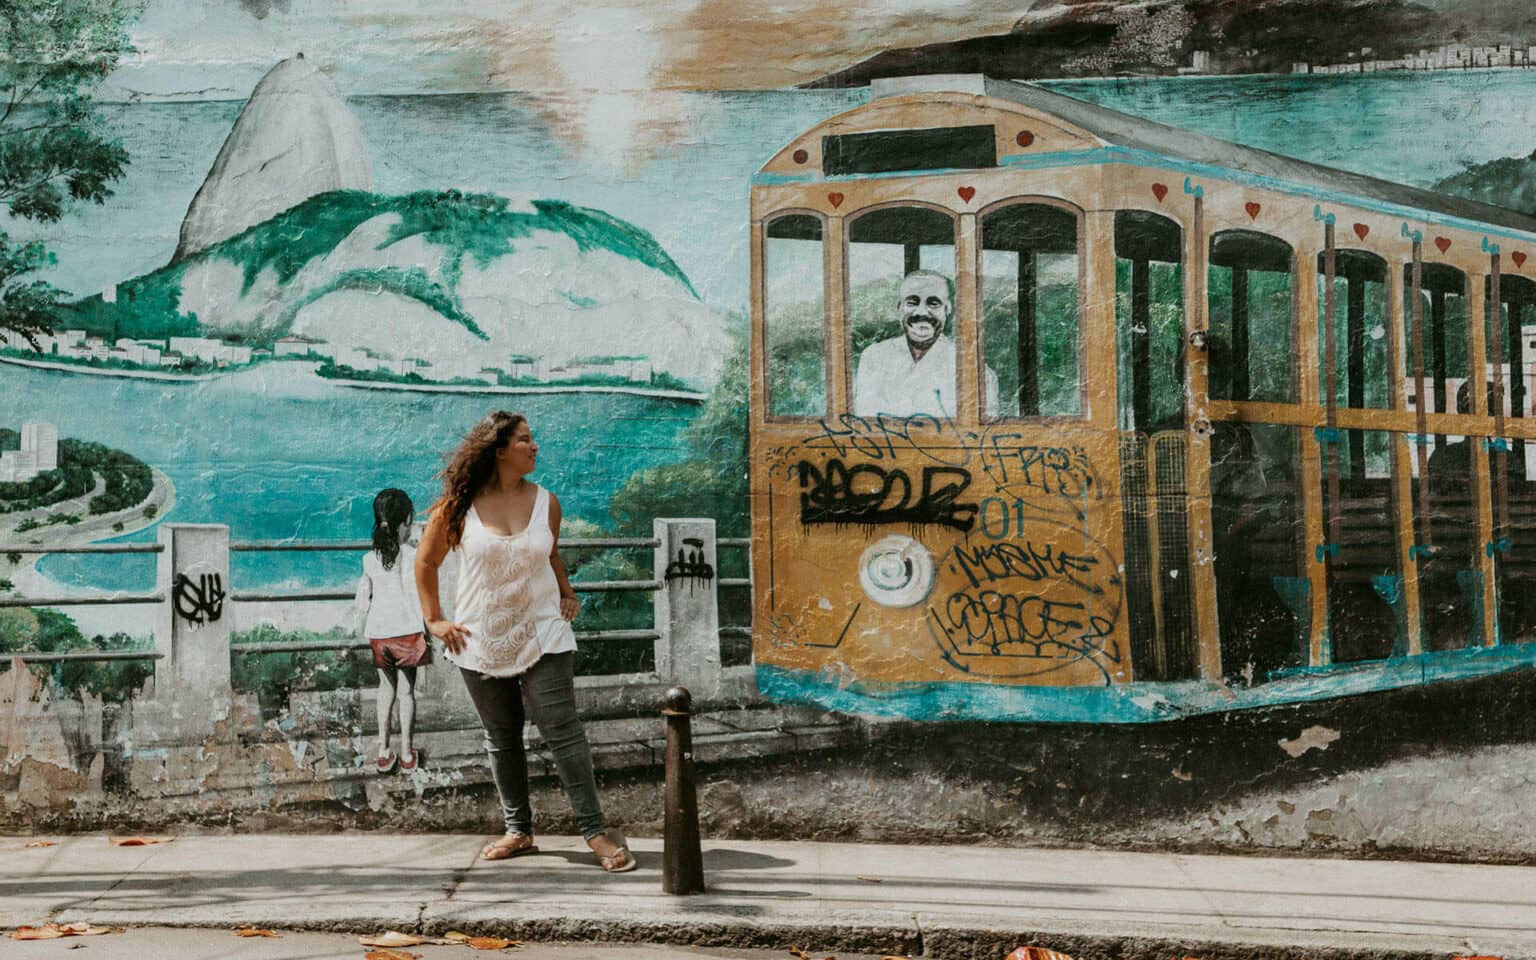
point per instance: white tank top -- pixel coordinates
(508, 596)
(390, 595)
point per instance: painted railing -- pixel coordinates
(196, 597)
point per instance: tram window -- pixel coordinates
(1514, 508)
(1029, 299)
(1149, 320)
(1443, 345)
(1366, 612)
(901, 312)
(794, 308)
(1252, 338)
(1362, 376)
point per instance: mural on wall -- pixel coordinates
(1037, 402)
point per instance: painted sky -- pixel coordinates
(216, 49)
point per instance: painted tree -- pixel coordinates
(54, 150)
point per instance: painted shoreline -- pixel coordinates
(489, 389)
(111, 371)
(663, 394)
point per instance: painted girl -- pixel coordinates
(390, 614)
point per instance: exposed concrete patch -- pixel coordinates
(1312, 738)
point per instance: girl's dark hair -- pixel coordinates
(390, 509)
(471, 467)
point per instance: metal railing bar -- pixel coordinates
(33, 548)
(736, 632)
(284, 546)
(734, 582)
(295, 647)
(617, 635)
(256, 596)
(733, 542)
(610, 543)
(82, 601)
(83, 655)
(615, 586)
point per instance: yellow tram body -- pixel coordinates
(1181, 464)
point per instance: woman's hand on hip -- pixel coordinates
(452, 634)
(569, 606)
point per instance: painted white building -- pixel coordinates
(39, 452)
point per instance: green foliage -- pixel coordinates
(1508, 182)
(39, 630)
(51, 149)
(712, 481)
(274, 676)
(128, 482)
(481, 227)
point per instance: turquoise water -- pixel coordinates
(278, 454)
(282, 457)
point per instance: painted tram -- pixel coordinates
(1062, 415)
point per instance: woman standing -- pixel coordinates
(511, 638)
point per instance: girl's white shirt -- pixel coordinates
(389, 596)
(508, 597)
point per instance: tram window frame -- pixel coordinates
(851, 355)
(1220, 354)
(1442, 392)
(1079, 216)
(1347, 261)
(1136, 373)
(766, 361)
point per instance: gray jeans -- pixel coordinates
(548, 692)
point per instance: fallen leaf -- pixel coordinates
(41, 843)
(869, 879)
(1036, 953)
(799, 954)
(86, 930)
(392, 938)
(138, 841)
(49, 932)
(455, 936)
(254, 932)
(489, 943)
(390, 955)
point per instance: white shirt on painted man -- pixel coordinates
(889, 381)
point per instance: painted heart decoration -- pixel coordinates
(1253, 210)
(1518, 257)
(1159, 190)
(966, 193)
(1362, 231)
(836, 199)
(1443, 243)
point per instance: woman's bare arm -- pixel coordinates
(569, 604)
(430, 556)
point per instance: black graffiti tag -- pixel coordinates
(1029, 561)
(690, 563)
(977, 629)
(867, 495)
(199, 601)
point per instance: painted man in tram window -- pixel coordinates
(915, 373)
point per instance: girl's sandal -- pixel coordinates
(620, 861)
(386, 763)
(509, 846)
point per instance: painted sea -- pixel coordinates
(280, 455)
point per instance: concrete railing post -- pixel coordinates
(686, 607)
(193, 626)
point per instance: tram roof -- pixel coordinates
(1135, 133)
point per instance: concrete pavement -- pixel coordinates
(952, 902)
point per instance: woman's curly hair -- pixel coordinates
(472, 466)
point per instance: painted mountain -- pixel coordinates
(1090, 38)
(455, 279)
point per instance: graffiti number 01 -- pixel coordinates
(996, 526)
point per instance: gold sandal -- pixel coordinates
(509, 846)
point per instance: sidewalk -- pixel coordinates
(950, 902)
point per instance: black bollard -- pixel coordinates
(682, 859)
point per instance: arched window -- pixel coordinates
(794, 311)
(1030, 319)
(1252, 343)
(1515, 563)
(1362, 375)
(1149, 319)
(901, 311)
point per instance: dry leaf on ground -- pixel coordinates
(1037, 953)
(454, 936)
(490, 943)
(799, 954)
(390, 955)
(42, 843)
(138, 841)
(53, 931)
(255, 932)
(392, 938)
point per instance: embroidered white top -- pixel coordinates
(889, 381)
(394, 609)
(508, 596)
